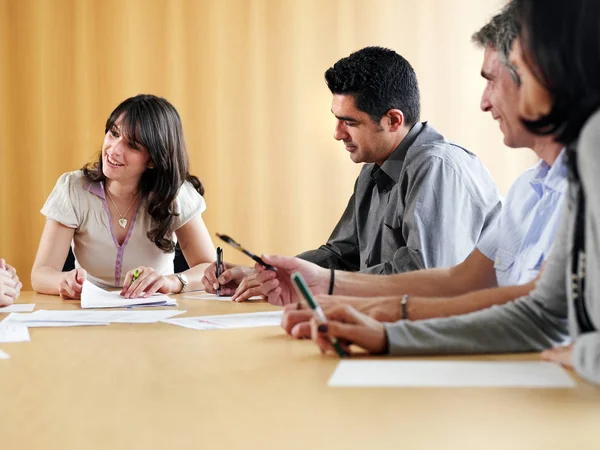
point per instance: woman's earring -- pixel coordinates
(150, 166)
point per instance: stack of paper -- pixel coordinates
(43, 318)
(201, 295)
(14, 332)
(250, 320)
(528, 374)
(21, 307)
(94, 297)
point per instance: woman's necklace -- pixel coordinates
(122, 219)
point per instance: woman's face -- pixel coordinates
(121, 161)
(534, 100)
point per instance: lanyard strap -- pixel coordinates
(578, 267)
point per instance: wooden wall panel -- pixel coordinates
(247, 78)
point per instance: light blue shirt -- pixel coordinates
(521, 240)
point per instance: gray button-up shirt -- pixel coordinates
(426, 206)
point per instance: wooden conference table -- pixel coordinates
(161, 386)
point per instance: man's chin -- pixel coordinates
(356, 158)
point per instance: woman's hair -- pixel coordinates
(561, 45)
(154, 123)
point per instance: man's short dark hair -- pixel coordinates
(500, 33)
(379, 79)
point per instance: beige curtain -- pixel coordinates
(247, 78)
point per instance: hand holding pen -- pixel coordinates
(228, 280)
(219, 268)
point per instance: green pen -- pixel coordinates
(136, 275)
(318, 312)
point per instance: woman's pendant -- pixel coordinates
(123, 222)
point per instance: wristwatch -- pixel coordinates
(184, 282)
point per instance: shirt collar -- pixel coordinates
(96, 188)
(389, 173)
(551, 177)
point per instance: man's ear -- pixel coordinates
(395, 119)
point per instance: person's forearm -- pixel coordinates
(524, 325)
(46, 280)
(424, 283)
(420, 308)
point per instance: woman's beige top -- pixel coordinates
(77, 203)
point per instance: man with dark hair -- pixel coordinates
(419, 202)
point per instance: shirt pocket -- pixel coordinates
(504, 264)
(532, 269)
(391, 240)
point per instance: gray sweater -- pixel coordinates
(546, 317)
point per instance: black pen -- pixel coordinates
(219, 264)
(256, 258)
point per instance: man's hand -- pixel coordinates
(230, 279)
(279, 288)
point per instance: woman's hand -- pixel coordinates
(296, 317)
(71, 284)
(560, 355)
(349, 326)
(148, 283)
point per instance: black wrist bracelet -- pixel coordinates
(331, 281)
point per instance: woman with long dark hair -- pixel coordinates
(558, 59)
(126, 211)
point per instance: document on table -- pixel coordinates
(229, 321)
(29, 322)
(407, 373)
(43, 318)
(4, 355)
(94, 297)
(201, 295)
(20, 307)
(14, 332)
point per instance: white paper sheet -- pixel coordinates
(201, 295)
(14, 332)
(407, 373)
(4, 355)
(29, 322)
(20, 307)
(94, 297)
(229, 321)
(41, 317)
